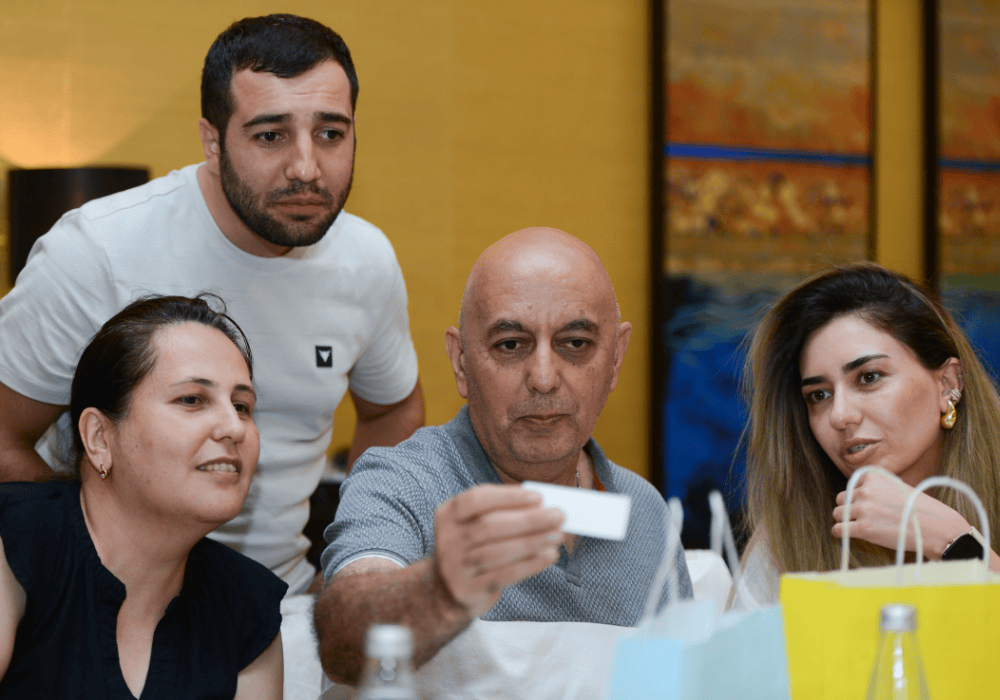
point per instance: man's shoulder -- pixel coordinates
(357, 226)
(135, 200)
(427, 450)
(644, 495)
(621, 480)
(355, 238)
(441, 459)
(165, 209)
(626, 479)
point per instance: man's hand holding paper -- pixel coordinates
(490, 537)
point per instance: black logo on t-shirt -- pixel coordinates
(324, 356)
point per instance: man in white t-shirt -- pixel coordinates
(318, 292)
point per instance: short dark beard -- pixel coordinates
(243, 201)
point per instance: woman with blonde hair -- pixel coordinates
(856, 367)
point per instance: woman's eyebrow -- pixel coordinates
(212, 385)
(196, 380)
(854, 364)
(849, 367)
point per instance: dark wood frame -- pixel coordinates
(658, 137)
(930, 27)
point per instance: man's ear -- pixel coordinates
(96, 431)
(210, 144)
(621, 346)
(456, 353)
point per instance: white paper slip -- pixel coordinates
(588, 513)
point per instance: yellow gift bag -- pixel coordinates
(831, 619)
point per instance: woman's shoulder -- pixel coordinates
(31, 507)
(236, 597)
(37, 529)
(15, 491)
(214, 563)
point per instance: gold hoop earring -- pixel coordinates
(102, 471)
(949, 417)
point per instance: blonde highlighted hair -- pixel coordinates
(792, 484)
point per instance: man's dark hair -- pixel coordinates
(282, 44)
(122, 353)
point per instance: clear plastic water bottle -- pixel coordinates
(388, 673)
(898, 672)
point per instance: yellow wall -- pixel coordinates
(474, 120)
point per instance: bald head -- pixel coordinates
(539, 350)
(531, 252)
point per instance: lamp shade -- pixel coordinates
(38, 197)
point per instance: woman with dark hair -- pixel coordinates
(108, 586)
(857, 367)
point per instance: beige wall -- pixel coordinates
(474, 120)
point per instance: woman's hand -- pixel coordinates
(877, 508)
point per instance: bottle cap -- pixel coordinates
(897, 617)
(389, 640)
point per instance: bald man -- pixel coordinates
(437, 533)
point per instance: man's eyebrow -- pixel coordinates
(268, 119)
(332, 117)
(505, 326)
(849, 367)
(285, 118)
(581, 324)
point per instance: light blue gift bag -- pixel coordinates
(691, 652)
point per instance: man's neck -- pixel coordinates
(575, 471)
(229, 223)
(585, 470)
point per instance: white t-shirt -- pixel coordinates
(319, 319)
